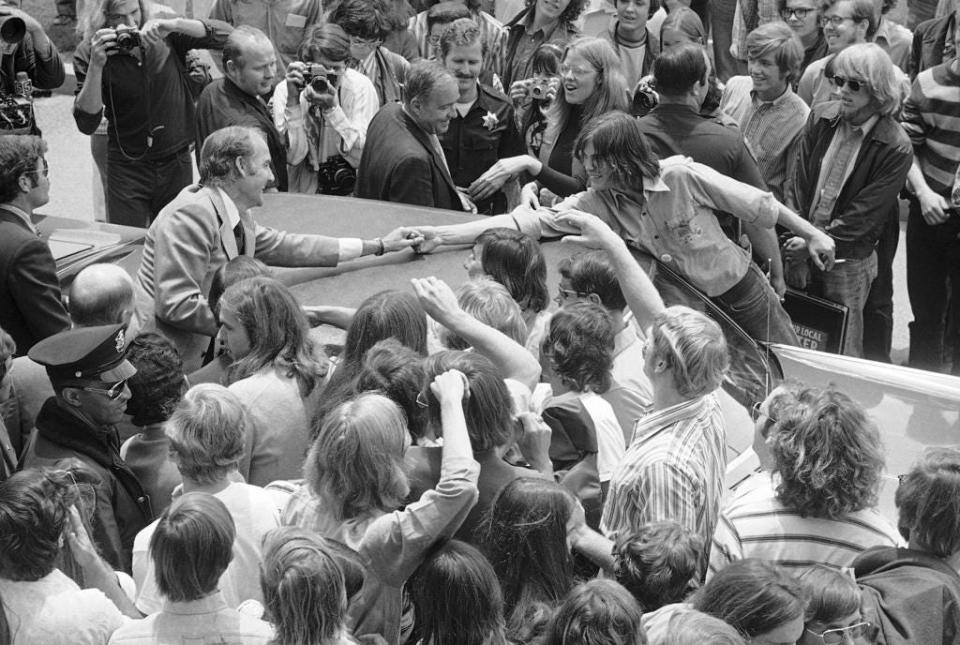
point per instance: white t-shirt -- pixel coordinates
(610, 442)
(54, 610)
(255, 513)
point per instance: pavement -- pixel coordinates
(72, 191)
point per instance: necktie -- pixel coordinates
(836, 173)
(239, 235)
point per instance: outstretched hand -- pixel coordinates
(401, 238)
(823, 250)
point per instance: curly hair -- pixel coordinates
(525, 537)
(159, 384)
(829, 458)
(659, 564)
(579, 346)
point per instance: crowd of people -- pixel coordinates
(183, 459)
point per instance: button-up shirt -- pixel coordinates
(672, 218)
(840, 135)
(522, 42)
(208, 620)
(771, 128)
(673, 470)
(285, 22)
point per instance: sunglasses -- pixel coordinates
(114, 393)
(45, 172)
(839, 82)
(836, 636)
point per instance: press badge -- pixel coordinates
(294, 20)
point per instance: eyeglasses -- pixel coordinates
(579, 72)
(45, 172)
(833, 21)
(356, 41)
(565, 294)
(114, 393)
(422, 400)
(835, 636)
(800, 13)
(839, 82)
(757, 411)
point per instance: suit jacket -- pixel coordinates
(399, 164)
(869, 196)
(30, 306)
(928, 40)
(190, 239)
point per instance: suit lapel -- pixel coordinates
(425, 141)
(227, 240)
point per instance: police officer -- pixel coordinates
(89, 373)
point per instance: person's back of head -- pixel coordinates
(191, 547)
(355, 464)
(456, 598)
(591, 274)
(525, 537)
(597, 612)
(8, 349)
(659, 564)
(34, 508)
(303, 588)
(206, 433)
(928, 502)
(101, 294)
(487, 409)
(578, 347)
(516, 261)
(159, 384)
(230, 273)
(366, 19)
(444, 13)
(396, 371)
(828, 456)
(19, 156)
(757, 598)
(691, 348)
(678, 69)
(387, 314)
(681, 26)
(834, 603)
(489, 302)
(692, 627)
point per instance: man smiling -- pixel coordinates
(844, 23)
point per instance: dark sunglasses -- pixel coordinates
(839, 82)
(114, 393)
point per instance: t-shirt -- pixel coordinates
(254, 513)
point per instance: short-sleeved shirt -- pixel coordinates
(285, 22)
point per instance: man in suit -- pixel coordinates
(852, 160)
(209, 224)
(402, 160)
(30, 306)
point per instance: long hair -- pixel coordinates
(579, 346)
(597, 612)
(611, 92)
(516, 261)
(94, 17)
(753, 596)
(569, 15)
(869, 62)
(525, 538)
(832, 594)
(829, 457)
(303, 588)
(546, 61)
(278, 331)
(355, 464)
(457, 598)
(928, 501)
(619, 142)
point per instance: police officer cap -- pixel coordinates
(85, 353)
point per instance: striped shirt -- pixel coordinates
(673, 470)
(755, 524)
(771, 128)
(931, 117)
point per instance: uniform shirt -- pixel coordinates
(771, 128)
(673, 219)
(285, 22)
(673, 470)
(474, 142)
(756, 524)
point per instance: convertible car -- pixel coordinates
(912, 408)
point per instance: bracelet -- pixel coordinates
(381, 250)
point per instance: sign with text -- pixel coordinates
(820, 324)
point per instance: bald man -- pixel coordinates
(250, 74)
(101, 294)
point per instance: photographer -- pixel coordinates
(132, 68)
(324, 109)
(25, 48)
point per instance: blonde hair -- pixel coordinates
(693, 346)
(206, 432)
(869, 62)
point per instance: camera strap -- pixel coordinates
(147, 85)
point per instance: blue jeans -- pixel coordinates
(848, 284)
(753, 304)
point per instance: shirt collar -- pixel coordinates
(864, 127)
(624, 339)
(22, 214)
(206, 605)
(233, 214)
(655, 422)
(883, 30)
(527, 24)
(777, 102)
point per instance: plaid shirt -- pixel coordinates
(673, 470)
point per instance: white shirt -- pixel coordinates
(254, 514)
(233, 213)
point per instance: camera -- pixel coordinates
(539, 88)
(319, 77)
(336, 177)
(128, 38)
(12, 29)
(16, 115)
